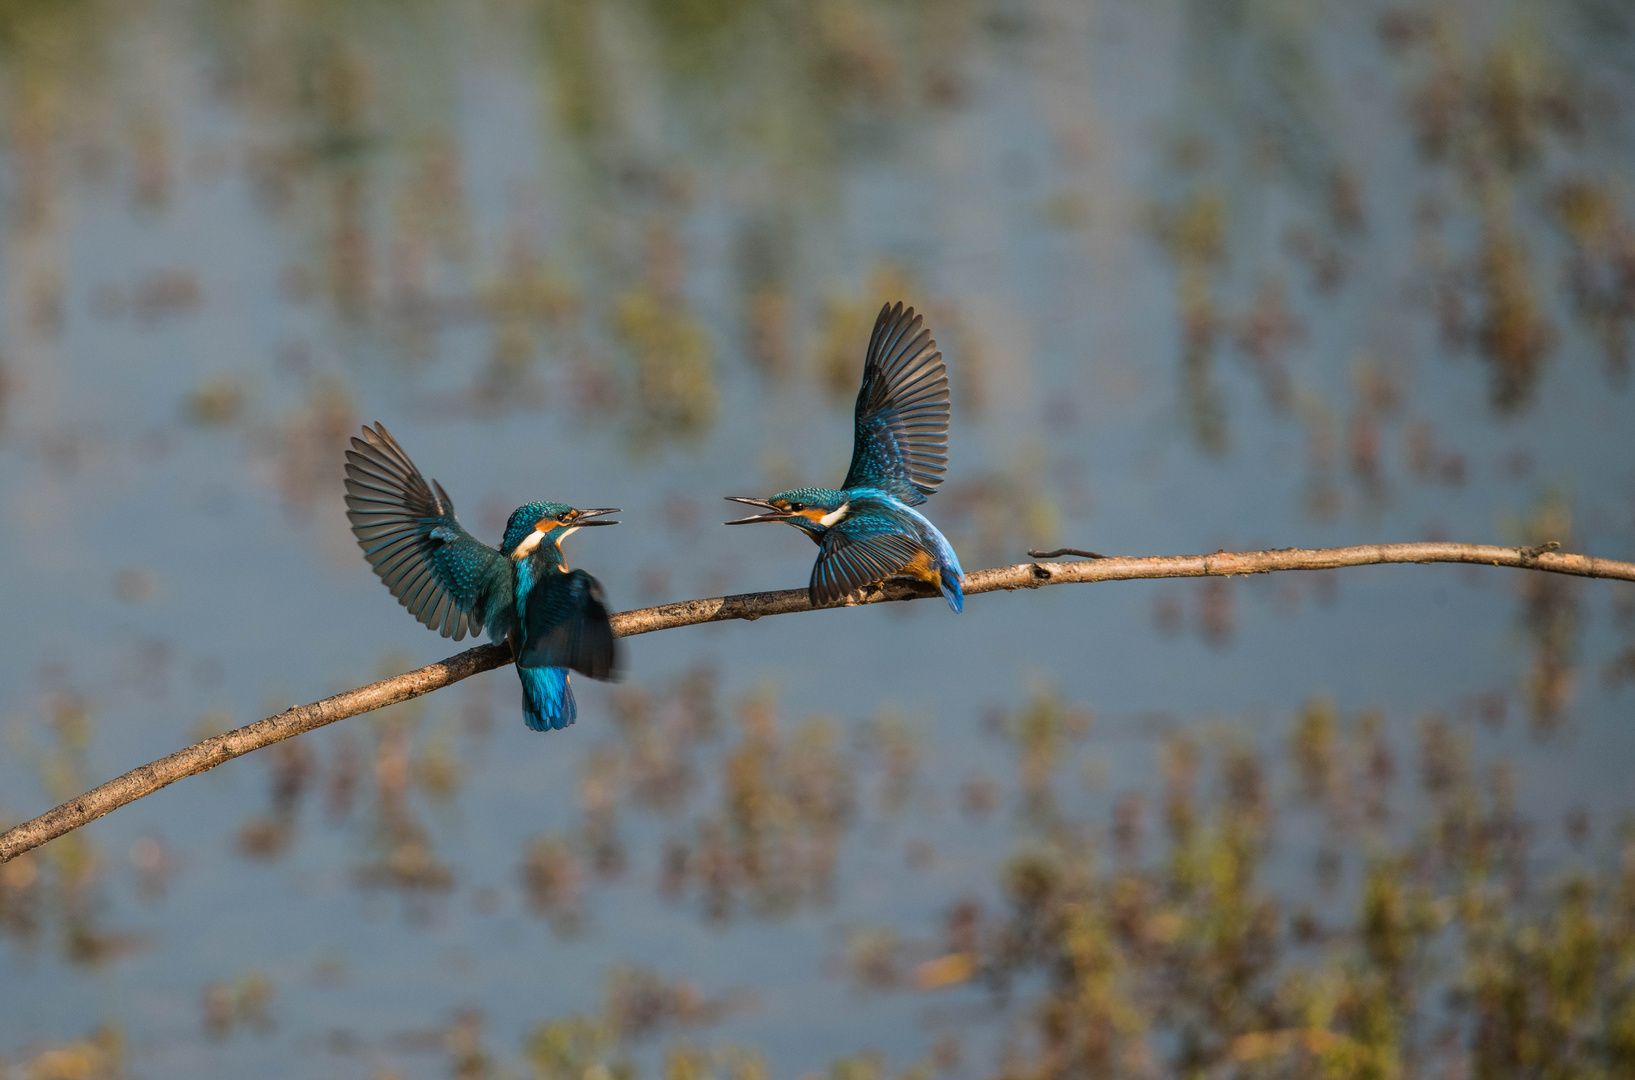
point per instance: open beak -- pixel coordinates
(580, 522)
(775, 515)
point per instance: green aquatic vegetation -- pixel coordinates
(552, 882)
(845, 324)
(1551, 618)
(566, 32)
(1197, 958)
(246, 1002)
(674, 361)
(1313, 745)
(62, 890)
(1426, 951)
(1184, 966)
(399, 851)
(896, 743)
(1015, 505)
(1601, 265)
(639, 1006)
(347, 124)
(784, 798)
(1512, 330)
(1042, 731)
(98, 1056)
(573, 1048)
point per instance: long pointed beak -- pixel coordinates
(775, 515)
(580, 522)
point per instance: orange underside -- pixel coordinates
(923, 568)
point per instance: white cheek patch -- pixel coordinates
(829, 519)
(529, 543)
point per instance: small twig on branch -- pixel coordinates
(213, 751)
(1059, 552)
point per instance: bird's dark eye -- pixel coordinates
(796, 507)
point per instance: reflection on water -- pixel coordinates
(1206, 275)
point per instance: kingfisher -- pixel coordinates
(867, 530)
(553, 618)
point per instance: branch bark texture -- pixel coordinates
(211, 752)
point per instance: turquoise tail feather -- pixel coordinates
(547, 699)
(952, 590)
(951, 573)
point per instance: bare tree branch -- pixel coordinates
(213, 751)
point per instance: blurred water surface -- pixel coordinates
(1207, 275)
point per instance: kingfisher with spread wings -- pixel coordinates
(554, 618)
(868, 530)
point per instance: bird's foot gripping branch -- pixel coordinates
(751, 606)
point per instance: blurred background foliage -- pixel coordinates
(1206, 274)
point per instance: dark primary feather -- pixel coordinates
(902, 410)
(849, 560)
(566, 626)
(409, 534)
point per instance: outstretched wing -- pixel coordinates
(409, 534)
(566, 626)
(849, 560)
(902, 410)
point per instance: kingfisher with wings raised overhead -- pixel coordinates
(554, 618)
(868, 530)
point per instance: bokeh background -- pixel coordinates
(1209, 274)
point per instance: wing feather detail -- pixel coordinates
(566, 626)
(901, 443)
(408, 532)
(848, 562)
